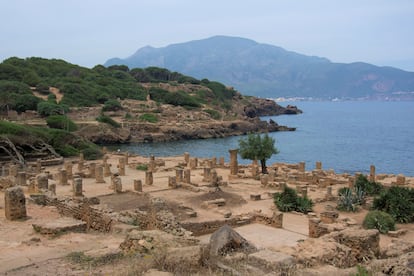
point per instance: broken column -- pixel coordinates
(221, 162)
(121, 166)
(77, 186)
(277, 219)
(42, 182)
(264, 180)
(179, 175)
(99, 178)
(318, 165)
(117, 184)
(301, 167)
(81, 162)
(255, 171)
(92, 170)
(213, 162)
(63, 177)
(149, 179)
(214, 179)
(137, 185)
(107, 170)
(234, 166)
(186, 157)
(151, 165)
(372, 173)
(14, 203)
(69, 169)
(207, 174)
(126, 158)
(187, 176)
(52, 188)
(21, 179)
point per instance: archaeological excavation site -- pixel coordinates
(128, 214)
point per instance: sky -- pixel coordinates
(89, 32)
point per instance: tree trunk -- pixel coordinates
(264, 168)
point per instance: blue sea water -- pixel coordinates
(344, 136)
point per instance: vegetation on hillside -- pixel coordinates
(100, 85)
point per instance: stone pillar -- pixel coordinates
(151, 165)
(221, 162)
(38, 165)
(69, 169)
(117, 185)
(63, 177)
(172, 182)
(214, 179)
(99, 174)
(92, 170)
(186, 158)
(193, 163)
(304, 191)
(277, 220)
(81, 162)
(32, 189)
(14, 203)
(126, 158)
(77, 186)
(213, 162)
(121, 166)
(372, 173)
(328, 192)
(21, 179)
(149, 179)
(107, 170)
(318, 165)
(187, 176)
(234, 166)
(138, 185)
(255, 171)
(400, 179)
(207, 175)
(179, 175)
(52, 189)
(301, 166)
(42, 182)
(264, 180)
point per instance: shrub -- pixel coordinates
(50, 108)
(288, 201)
(92, 153)
(142, 167)
(379, 220)
(147, 117)
(370, 188)
(61, 122)
(398, 202)
(346, 200)
(213, 114)
(112, 105)
(107, 120)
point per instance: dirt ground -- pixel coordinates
(25, 252)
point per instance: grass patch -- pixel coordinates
(142, 167)
(148, 117)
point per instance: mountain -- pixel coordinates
(270, 71)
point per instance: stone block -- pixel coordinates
(255, 196)
(14, 203)
(272, 261)
(59, 226)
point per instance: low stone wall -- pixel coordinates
(95, 219)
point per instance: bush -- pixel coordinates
(147, 117)
(92, 153)
(288, 201)
(112, 105)
(379, 220)
(108, 120)
(369, 188)
(49, 108)
(398, 202)
(61, 122)
(142, 167)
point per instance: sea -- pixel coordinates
(346, 136)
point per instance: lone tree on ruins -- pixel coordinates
(258, 147)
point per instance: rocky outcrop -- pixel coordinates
(226, 241)
(147, 132)
(266, 107)
(104, 134)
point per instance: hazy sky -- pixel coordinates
(88, 32)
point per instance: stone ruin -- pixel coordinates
(14, 203)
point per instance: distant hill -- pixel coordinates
(270, 71)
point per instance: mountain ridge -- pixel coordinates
(270, 71)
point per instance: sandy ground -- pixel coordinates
(20, 246)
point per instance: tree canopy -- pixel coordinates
(258, 147)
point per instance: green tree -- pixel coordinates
(258, 147)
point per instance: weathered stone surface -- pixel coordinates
(14, 203)
(59, 226)
(397, 247)
(226, 241)
(272, 261)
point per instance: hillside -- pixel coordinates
(117, 105)
(270, 71)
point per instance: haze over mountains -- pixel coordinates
(270, 71)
